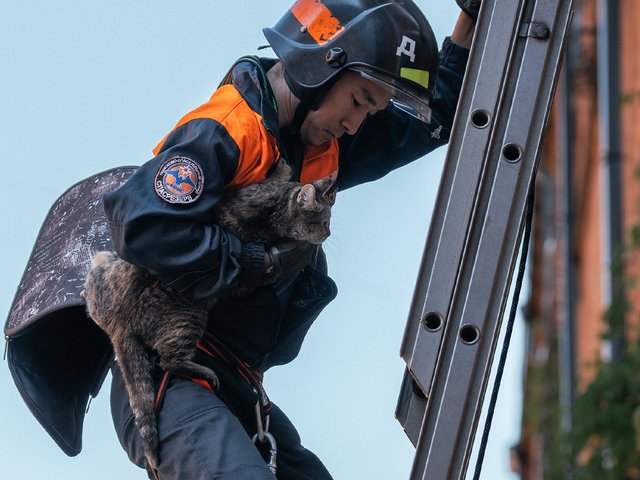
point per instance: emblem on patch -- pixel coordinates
(179, 180)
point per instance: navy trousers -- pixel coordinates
(202, 439)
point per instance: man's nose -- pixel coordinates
(352, 121)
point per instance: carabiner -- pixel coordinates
(273, 449)
(261, 429)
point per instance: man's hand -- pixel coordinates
(470, 7)
(285, 260)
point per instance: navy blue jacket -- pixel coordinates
(161, 219)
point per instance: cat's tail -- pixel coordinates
(136, 370)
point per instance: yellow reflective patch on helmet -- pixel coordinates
(421, 77)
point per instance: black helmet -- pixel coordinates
(388, 41)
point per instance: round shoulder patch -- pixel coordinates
(179, 180)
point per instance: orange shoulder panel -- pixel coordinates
(258, 149)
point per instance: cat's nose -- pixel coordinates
(327, 230)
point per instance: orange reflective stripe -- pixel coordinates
(320, 162)
(161, 390)
(320, 22)
(257, 147)
(203, 383)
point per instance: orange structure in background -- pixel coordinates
(587, 212)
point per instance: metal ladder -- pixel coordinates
(471, 249)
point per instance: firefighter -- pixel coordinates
(357, 90)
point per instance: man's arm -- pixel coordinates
(463, 31)
(391, 139)
(174, 238)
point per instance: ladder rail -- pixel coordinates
(451, 364)
(452, 218)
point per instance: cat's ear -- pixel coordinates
(281, 172)
(307, 198)
(323, 185)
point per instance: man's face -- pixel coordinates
(343, 109)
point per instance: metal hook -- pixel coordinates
(273, 450)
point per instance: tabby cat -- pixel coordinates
(140, 313)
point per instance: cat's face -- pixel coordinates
(315, 212)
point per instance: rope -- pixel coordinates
(507, 337)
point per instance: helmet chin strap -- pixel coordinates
(310, 98)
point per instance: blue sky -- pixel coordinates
(87, 86)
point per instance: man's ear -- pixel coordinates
(307, 197)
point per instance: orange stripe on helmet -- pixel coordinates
(318, 20)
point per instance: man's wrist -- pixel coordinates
(463, 31)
